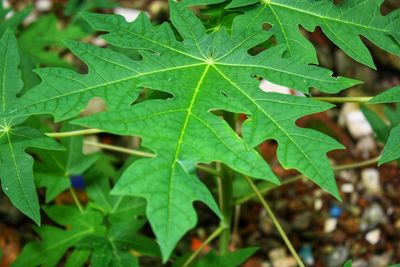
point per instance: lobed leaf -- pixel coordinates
(16, 165)
(343, 24)
(203, 73)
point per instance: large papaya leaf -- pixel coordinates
(392, 146)
(343, 24)
(15, 165)
(204, 72)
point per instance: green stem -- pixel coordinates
(226, 208)
(141, 154)
(120, 149)
(214, 235)
(266, 189)
(276, 222)
(76, 199)
(74, 133)
(360, 99)
(227, 176)
(357, 164)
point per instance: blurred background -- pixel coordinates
(364, 227)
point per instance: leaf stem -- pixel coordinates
(120, 149)
(360, 99)
(74, 133)
(141, 154)
(213, 235)
(76, 199)
(266, 189)
(226, 208)
(276, 222)
(226, 176)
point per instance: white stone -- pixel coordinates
(287, 262)
(357, 124)
(370, 181)
(43, 5)
(128, 13)
(366, 145)
(318, 204)
(98, 41)
(6, 4)
(373, 236)
(268, 86)
(347, 188)
(330, 225)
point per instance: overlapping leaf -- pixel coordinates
(343, 24)
(15, 165)
(56, 241)
(392, 146)
(204, 72)
(55, 168)
(103, 239)
(41, 43)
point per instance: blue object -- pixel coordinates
(306, 255)
(77, 181)
(335, 211)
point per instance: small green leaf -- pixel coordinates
(54, 169)
(233, 259)
(55, 241)
(389, 96)
(392, 146)
(348, 263)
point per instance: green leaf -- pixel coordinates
(55, 241)
(348, 263)
(389, 96)
(98, 189)
(15, 165)
(204, 72)
(378, 125)
(78, 257)
(392, 146)
(74, 6)
(41, 45)
(343, 24)
(54, 169)
(232, 259)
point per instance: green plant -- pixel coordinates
(208, 77)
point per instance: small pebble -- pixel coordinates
(330, 225)
(357, 124)
(371, 182)
(268, 86)
(366, 145)
(306, 254)
(335, 211)
(372, 216)
(373, 236)
(347, 188)
(287, 262)
(338, 256)
(318, 204)
(43, 5)
(128, 13)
